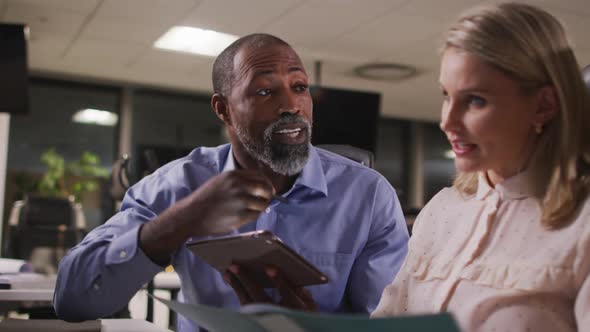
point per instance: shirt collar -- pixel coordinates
(230, 162)
(312, 176)
(518, 186)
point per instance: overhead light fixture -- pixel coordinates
(195, 40)
(97, 117)
(385, 71)
(450, 154)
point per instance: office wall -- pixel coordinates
(4, 127)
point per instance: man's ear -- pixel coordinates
(219, 105)
(548, 105)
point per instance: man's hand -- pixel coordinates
(226, 202)
(249, 291)
(223, 203)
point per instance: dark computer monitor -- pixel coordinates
(14, 91)
(345, 117)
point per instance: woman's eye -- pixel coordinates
(476, 101)
(263, 92)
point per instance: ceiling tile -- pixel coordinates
(49, 47)
(443, 12)
(75, 6)
(160, 60)
(148, 11)
(43, 20)
(244, 17)
(315, 23)
(118, 29)
(96, 52)
(387, 35)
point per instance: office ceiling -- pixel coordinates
(112, 39)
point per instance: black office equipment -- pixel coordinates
(14, 92)
(345, 117)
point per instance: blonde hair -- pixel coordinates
(530, 46)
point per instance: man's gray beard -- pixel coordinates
(284, 159)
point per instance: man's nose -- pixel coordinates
(289, 103)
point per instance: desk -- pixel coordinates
(106, 325)
(129, 325)
(29, 290)
(38, 289)
(23, 295)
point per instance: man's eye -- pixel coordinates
(476, 101)
(263, 92)
(301, 88)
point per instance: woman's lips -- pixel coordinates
(463, 148)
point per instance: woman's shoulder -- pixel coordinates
(445, 206)
(448, 195)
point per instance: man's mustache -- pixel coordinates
(288, 119)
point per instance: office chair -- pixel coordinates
(44, 229)
(364, 157)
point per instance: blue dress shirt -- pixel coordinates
(343, 217)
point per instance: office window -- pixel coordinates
(392, 154)
(167, 126)
(439, 167)
(49, 124)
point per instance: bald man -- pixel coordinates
(341, 216)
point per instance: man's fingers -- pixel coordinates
(254, 291)
(255, 203)
(293, 297)
(256, 184)
(238, 288)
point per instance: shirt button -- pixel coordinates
(267, 210)
(123, 254)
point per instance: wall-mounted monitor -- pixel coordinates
(14, 78)
(345, 117)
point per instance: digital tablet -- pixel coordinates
(254, 251)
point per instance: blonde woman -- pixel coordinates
(507, 248)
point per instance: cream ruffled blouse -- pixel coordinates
(487, 259)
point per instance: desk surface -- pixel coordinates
(129, 325)
(44, 295)
(106, 325)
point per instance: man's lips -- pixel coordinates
(290, 135)
(289, 132)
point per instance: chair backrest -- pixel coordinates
(39, 211)
(359, 155)
(45, 222)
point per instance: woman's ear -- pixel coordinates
(219, 105)
(548, 105)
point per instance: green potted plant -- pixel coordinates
(70, 180)
(53, 202)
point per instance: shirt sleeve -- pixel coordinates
(582, 273)
(100, 275)
(384, 252)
